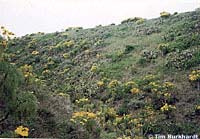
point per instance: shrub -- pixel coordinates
(113, 84)
(22, 131)
(175, 13)
(194, 77)
(164, 48)
(135, 90)
(140, 21)
(93, 68)
(110, 135)
(142, 61)
(167, 108)
(27, 71)
(10, 80)
(197, 110)
(86, 120)
(60, 106)
(69, 43)
(135, 19)
(182, 42)
(35, 53)
(66, 55)
(149, 54)
(100, 83)
(164, 14)
(129, 48)
(26, 105)
(183, 60)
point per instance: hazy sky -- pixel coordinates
(28, 16)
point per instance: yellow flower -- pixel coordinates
(72, 120)
(63, 94)
(164, 14)
(139, 125)
(136, 121)
(100, 83)
(113, 83)
(118, 119)
(198, 107)
(35, 53)
(135, 90)
(167, 107)
(98, 55)
(46, 72)
(91, 115)
(193, 72)
(82, 123)
(195, 75)
(167, 95)
(131, 83)
(82, 114)
(154, 90)
(93, 68)
(82, 100)
(22, 131)
(169, 84)
(154, 84)
(149, 77)
(65, 55)
(69, 43)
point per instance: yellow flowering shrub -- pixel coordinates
(63, 94)
(135, 90)
(113, 83)
(140, 21)
(198, 107)
(35, 53)
(45, 72)
(167, 95)
(130, 83)
(155, 87)
(84, 114)
(93, 68)
(27, 70)
(22, 131)
(65, 55)
(167, 108)
(6, 34)
(154, 84)
(82, 101)
(3, 43)
(149, 78)
(164, 14)
(169, 85)
(98, 56)
(111, 112)
(100, 83)
(194, 75)
(69, 43)
(164, 48)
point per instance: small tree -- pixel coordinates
(13, 101)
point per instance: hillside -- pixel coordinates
(130, 80)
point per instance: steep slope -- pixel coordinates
(127, 80)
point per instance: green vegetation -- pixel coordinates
(121, 81)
